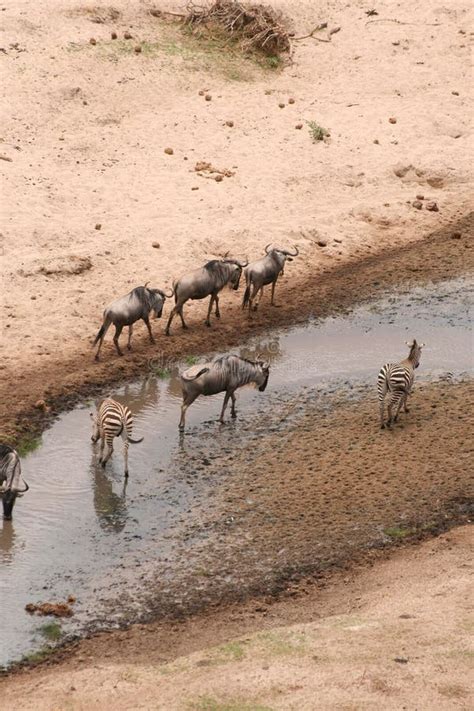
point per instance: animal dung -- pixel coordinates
(291, 101)
(138, 49)
(98, 226)
(281, 105)
(127, 35)
(155, 245)
(169, 151)
(114, 35)
(208, 97)
(420, 197)
(392, 119)
(230, 124)
(219, 178)
(92, 40)
(299, 126)
(432, 206)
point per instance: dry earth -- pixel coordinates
(397, 636)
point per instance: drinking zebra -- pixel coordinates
(112, 420)
(396, 379)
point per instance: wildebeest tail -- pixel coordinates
(102, 331)
(195, 377)
(246, 296)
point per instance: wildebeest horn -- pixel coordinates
(244, 264)
(266, 248)
(145, 285)
(168, 296)
(22, 491)
(295, 254)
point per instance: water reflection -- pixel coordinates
(110, 508)
(7, 542)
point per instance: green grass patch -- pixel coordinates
(317, 132)
(52, 631)
(207, 703)
(283, 644)
(28, 444)
(399, 532)
(38, 656)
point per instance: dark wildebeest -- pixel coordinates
(10, 477)
(397, 380)
(209, 280)
(136, 305)
(265, 271)
(223, 374)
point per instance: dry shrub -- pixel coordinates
(255, 27)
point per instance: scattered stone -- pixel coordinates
(41, 405)
(376, 141)
(420, 197)
(208, 97)
(299, 126)
(138, 49)
(401, 660)
(417, 204)
(155, 245)
(92, 40)
(322, 243)
(282, 106)
(392, 119)
(195, 188)
(33, 298)
(219, 178)
(169, 151)
(291, 101)
(230, 124)
(432, 206)
(201, 92)
(455, 93)
(98, 226)
(456, 235)
(127, 35)
(114, 35)
(396, 43)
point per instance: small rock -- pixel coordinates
(401, 660)
(92, 40)
(208, 97)
(432, 206)
(98, 226)
(376, 141)
(114, 35)
(219, 178)
(455, 235)
(282, 106)
(322, 243)
(291, 101)
(336, 239)
(392, 119)
(455, 93)
(169, 151)
(127, 35)
(155, 245)
(40, 405)
(396, 43)
(201, 92)
(138, 49)
(417, 204)
(195, 188)
(420, 197)
(299, 126)
(33, 298)
(229, 124)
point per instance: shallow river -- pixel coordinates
(79, 531)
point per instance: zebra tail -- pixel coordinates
(134, 441)
(246, 296)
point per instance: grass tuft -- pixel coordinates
(51, 631)
(317, 132)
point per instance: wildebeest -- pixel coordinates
(209, 280)
(112, 420)
(10, 478)
(265, 271)
(135, 305)
(223, 374)
(397, 380)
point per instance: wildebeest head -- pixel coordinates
(236, 273)
(8, 500)
(282, 254)
(156, 299)
(264, 373)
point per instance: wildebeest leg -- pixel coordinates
(147, 321)
(208, 319)
(272, 301)
(255, 291)
(226, 400)
(233, 411)
(171, 317)
(183, 324)
(216, 299)
(187, 401)
(118, 331)
(130, 331)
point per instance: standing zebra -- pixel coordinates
(113, 420)
(396, 379)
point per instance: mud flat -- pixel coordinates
(302, 482)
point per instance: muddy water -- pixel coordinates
(79, 531)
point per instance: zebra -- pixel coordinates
(397, 379)
(112, 419)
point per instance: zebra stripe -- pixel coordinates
(395, 380)
(113, 420)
